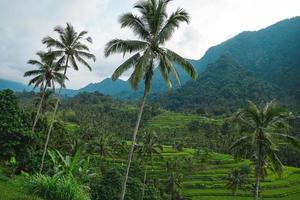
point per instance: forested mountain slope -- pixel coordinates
(222, 88)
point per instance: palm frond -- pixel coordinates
(82, 61)
(86, 55)
(271, 111)
(74, 63)
(253, 112)
(125, 66)
(33, 72)
(170, 67)
(35, 62)
(159, 16)
(187, 66)
(172, 24)
(295, 142)
(80, 47)
(136, 24)
(139, 69)
(51, 42)
(240, 142)
(59, 29)
(277, 166)
(124, 46)
(165, 67)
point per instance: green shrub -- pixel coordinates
(54, 188)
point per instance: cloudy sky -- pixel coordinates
(25, 22)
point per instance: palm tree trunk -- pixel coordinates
(144, 183)
(257, 185)
(52, 121)
(39, 109)
(258, 168)
(132, 146)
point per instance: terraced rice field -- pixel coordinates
(209, 183)
(171, 120)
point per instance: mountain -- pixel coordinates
(222, 88)
(271, 54)
(15, 86)
(109, 87)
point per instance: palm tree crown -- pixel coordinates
(150, 146)
(69, 46)
(153, 27)
(48, 73)
(266, 129)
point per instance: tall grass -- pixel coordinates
(56, 188)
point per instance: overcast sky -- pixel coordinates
(23, 23)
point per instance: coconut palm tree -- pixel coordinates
(147, 150)
(265, 125)
(153, 26)
(102, 146)
(236, 180)
(174, 179)
(70, 49)
(48, 73)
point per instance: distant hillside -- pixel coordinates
(270, 56)
(222, 88)
(15, 86)
(122, 89)
(107, 86)
(271, 53)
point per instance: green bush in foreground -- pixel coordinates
(54, 188)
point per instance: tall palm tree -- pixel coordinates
(264, 124)
(153, 27)
(48, 73)
(147, 150)
(70, 49)
(174, 179)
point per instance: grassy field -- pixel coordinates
(11, 188)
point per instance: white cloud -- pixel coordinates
(25, 23)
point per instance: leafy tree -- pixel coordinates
(110, 184)
(47, 74)
(150, 146)
(13, 131)
(265, 125)
(71, 50)
(153, 27)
